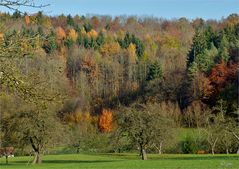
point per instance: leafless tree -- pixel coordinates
(16, 4)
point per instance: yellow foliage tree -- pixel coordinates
(47, 23)
(232, 20)
(78, 117)
(87, 117)
(72, 34)
(83, 32)
(150, 47)
(120, 34)
(169, 41)
(132, 53)
(109, 49)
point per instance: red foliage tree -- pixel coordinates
(223, 74)
(218, 75)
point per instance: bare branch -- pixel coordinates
(235, 135)
(16, 4)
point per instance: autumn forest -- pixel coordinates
(72, 84)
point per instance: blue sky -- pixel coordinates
(213, 9)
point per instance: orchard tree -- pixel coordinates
(8, 51)
(34, 121)
(213, 130)
(37, 126)
(143, 125)
(232, 129)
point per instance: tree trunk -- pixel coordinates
(37, 150)
(140, 151)
(77, 150)
(227, 151)
(160, 147)
(143, 153)
(37, 159)
(238, 151)
(6, 159)
(213, 150)
(213, 146)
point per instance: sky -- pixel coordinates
(206, 9)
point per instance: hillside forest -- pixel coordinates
(118, 84)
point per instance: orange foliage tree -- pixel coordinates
(106, 121)
(60, 33)
(1, 36)
(92, 33)
(89, 66)
(201, 86)
(27, 20)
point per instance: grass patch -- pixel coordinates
(126, 161)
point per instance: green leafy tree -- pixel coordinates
(154, 71)
(223, 50)
(198, 47)
(39, 18)
(87, 27)
(100, 39)
(16, 15)
(70, 20)
(50, 45)
(128, 39)
(206, 60)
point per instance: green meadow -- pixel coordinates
(125, 161)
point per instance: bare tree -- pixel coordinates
(16, 4)
(213, 130)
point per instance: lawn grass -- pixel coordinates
(126, 161)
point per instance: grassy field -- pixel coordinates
(126, 161)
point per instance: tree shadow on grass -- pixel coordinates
(119, 156)
(66, 161)
(198, 158)
(124, 156)
(78, 161)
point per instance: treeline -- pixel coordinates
(95, 66)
